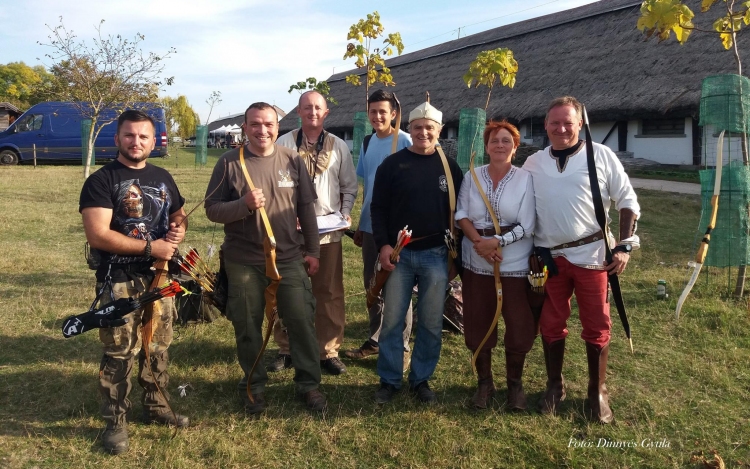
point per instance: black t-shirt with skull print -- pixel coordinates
(141, 201)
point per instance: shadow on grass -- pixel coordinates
(19, 284)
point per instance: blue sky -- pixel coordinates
(252, 50)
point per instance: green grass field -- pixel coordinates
(682, 395)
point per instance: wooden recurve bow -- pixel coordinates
(272, 272)
(495, 268)
(700, 256)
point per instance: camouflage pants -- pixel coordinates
(125, 342)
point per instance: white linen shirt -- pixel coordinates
(513, 203)
(565, 206)
(338, 178)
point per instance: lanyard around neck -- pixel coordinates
(318, 149)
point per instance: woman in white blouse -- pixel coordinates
(511, 194)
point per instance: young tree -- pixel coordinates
(312, 84)
(21, 85)
(365, 32)
(487, 69)
(664, 17)
(110, 72)
(212, 101)
(491, 66)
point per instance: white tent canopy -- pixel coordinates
(226, 129)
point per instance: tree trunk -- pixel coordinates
(89, 152)
(739, 288)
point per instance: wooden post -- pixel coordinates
(34, 147)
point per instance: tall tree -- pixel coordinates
(109, 72)
(21, 85)
(365, 32)
(181, 118)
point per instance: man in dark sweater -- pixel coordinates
(412, 188)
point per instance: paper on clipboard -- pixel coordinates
(332, 222)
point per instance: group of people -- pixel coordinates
(268, 194)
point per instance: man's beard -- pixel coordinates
(135, 159)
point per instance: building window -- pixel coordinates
(535, 128)
(658, 127)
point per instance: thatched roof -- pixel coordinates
(593, 52)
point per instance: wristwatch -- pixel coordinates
(147, 250)
(626, 248)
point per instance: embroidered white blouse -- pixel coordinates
(513, 204)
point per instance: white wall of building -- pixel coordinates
(661, 149)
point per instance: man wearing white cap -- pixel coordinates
(412, 188)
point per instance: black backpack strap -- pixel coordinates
(366, 142)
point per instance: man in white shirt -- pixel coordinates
(567, 228)
(329, 164)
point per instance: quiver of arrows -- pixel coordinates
(537, 274)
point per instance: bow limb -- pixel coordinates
(272, 272)
(496, 267)
(700, 256)
(271, 310)
(152, 314)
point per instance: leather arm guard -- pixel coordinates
(109, 315)
(628, 223)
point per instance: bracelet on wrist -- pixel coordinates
(147, 250)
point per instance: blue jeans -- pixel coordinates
(429, 268)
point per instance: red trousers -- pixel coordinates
(591, 290)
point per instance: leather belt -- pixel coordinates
(492, 232)
(587, 240)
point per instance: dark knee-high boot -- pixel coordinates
(114, 386)
(514, 372)
(486, 385)
(598, 397)
(554, 355)
(155, 403)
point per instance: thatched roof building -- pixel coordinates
(593, 52)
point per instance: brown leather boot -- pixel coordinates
(155, 404)
(598, 397)
(514, 371)
(554, 355)
(486, 386)
(114, 386)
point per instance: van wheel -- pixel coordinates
(8, 157)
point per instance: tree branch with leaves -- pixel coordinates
(492, 66)
(664, 17)
(312, 84)
(364, 33)
(212, 101)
